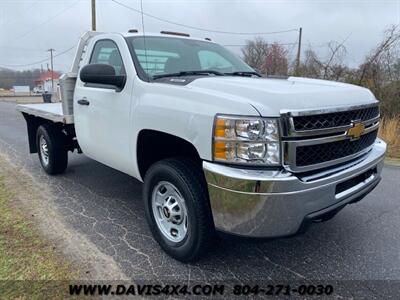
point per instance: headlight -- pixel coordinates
(245, 140)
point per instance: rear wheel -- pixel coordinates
(177, 208)
(52, 151)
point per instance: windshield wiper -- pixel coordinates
(189, 73)
(244, 73)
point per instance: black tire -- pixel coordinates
(57, 152)
(188, 178)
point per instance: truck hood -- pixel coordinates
(270, 96)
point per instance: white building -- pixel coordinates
(44, 84)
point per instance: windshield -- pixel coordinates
(166, 55)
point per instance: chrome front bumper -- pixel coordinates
(266, 203)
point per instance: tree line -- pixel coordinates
(379, 71)
(10, 78)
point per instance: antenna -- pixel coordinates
(144, 38)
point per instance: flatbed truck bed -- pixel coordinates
(49, 111)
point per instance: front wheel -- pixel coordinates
(177, 208)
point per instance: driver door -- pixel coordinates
(102, 119)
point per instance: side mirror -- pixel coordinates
(102, 74)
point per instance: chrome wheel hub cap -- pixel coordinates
(44, 150)
(170, 212)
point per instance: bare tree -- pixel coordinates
(311, 65)
(276, 60)
(390, 41)
(266, 58)
(380, 72)
(332, 67)
(254, 54)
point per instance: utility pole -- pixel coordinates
(298, 53)
(52, 71)
(93, 15)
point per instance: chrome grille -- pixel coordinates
(323, 121)
(319, 139)
(316, 154)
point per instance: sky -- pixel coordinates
(29, 27)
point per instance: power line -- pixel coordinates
(199, 28)
(48, 20)
(39, 62)
(13, 21)
(291, 49)
(19, 48)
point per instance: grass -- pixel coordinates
(27, 260)
(389, 131)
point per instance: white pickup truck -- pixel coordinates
(218, 147)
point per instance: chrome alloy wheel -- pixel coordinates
(44, 150)
(170, 212)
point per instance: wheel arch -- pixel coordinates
(154, 145)
(32, 124)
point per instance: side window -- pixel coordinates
(212, 60)
(106, 52)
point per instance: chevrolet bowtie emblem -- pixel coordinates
(356, 131)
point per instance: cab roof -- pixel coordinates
(172, 34)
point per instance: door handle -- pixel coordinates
(83, 102)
